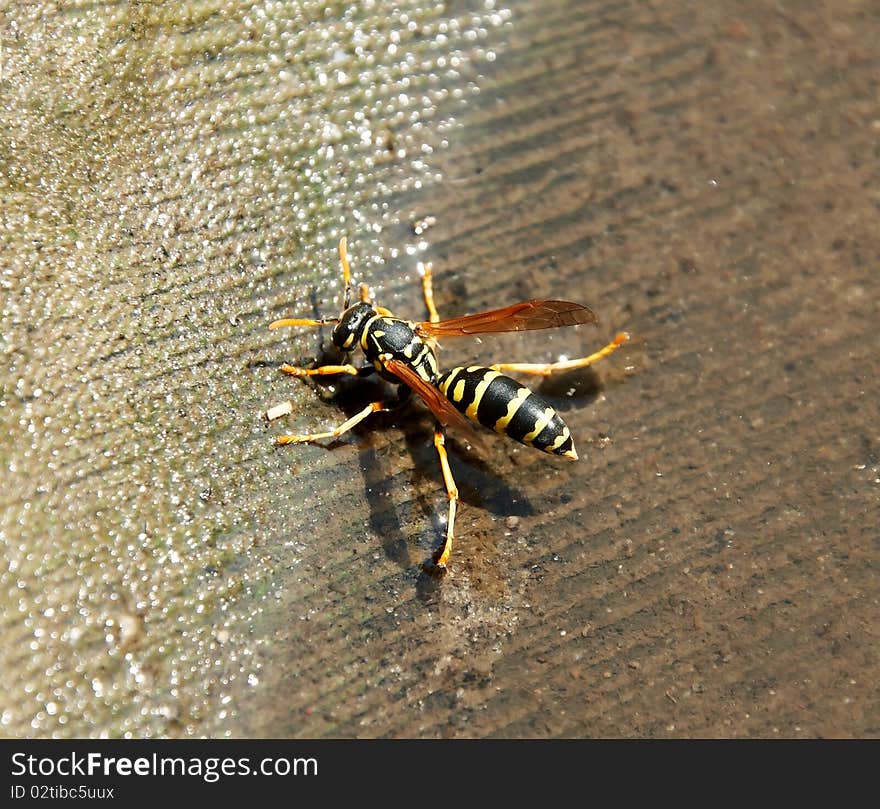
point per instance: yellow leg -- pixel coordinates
(452, 492)
(294, 322)
(545, 369)
(375, 407)
(428, 291)
(321, 371)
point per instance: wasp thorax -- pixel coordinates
(351, 325)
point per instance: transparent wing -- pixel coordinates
(518, 317)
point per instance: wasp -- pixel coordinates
(403, 352)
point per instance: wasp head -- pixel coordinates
(351, 325)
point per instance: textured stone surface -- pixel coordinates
(703, 176)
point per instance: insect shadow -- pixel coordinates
(572, 389)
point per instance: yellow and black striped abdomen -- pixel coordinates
(506, 406)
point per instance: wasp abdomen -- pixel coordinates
(507, 406)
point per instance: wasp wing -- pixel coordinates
(524, 316)
(440, 406)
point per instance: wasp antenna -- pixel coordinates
(346, 270)
(296, 321)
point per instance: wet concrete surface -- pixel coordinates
(704, 177)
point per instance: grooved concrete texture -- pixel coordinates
(703, 175)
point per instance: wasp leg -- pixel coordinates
(428, 292)
(286, 408)
(452, 492)
(545, 369)
(322, 370)
(375, 407)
